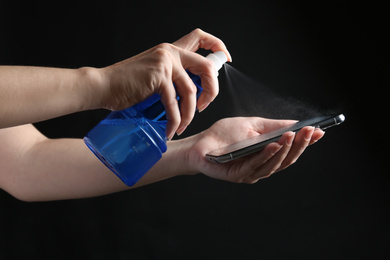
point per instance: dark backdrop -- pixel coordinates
(332, 204)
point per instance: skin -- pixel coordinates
(36, 168)
(51, 92)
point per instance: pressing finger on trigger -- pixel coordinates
(198, 39)
(206, 70)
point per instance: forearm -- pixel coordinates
(67, 169)
(32, 94)
(175, 162)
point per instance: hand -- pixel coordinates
(249, 169)
(155, 70)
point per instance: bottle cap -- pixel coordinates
(219, 58)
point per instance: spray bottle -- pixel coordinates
(129, 142)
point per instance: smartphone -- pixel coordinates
(258, 143)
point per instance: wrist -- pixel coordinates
(94, 85)
(183, 155)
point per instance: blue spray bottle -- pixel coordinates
(129, 142)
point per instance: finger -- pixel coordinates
(254, 164)
(274, 163)
(267, 153)
(210, 91)
(204, 68)
(199, 39)
(187, 92)
(301, 142)
(168, 98)
(317, 135)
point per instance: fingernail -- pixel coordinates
(202, 108)
(317, 139)
(181, 130)
(229, 56)
(290, 138)
(169, 137)
(277, 149)
(321, 131)
(309, 133)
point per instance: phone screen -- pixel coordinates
(257, 143)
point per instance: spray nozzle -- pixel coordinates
(219, 58)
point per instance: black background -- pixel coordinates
(332, 204)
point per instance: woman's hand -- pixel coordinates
(155, 70)
(33, 94)
(35, 168)
(249, 169)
